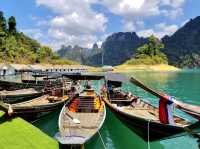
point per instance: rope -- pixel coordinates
(149, 147)
(102, 140)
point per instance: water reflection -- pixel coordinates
(182, 85)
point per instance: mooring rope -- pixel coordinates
(148, 143)
(102, 140)
(194, 135)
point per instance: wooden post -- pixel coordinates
(21, 76)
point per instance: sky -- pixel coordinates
(85, 22)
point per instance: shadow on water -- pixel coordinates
(5, 118)
(183, 85)
(117, 136)
(49, 123)
(114, 134)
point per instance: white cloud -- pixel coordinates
(75, 22)
(142, 8)
(67, 39)
(37, 34)
(160, 30)
(132, 8)
(140, 24)
(172, 14)
(146, 33)
(129, 26)
(134, 11)
(173, 3)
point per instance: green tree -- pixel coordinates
(44, 54)
(3, 26)
(149, 54)
(16, 47)
(25, 54)
(11, 49)
(152, 48)
(12, 25)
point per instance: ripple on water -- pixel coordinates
(182, 85)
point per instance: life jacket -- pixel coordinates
(165, 110)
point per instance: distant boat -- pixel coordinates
(141, 117)
(107, 68)
(19, 95)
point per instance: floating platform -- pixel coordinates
(16, 133)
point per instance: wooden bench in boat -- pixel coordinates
(123, 100)
(86, 104)
(87, 110)
(80, 127)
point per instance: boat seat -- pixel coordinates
(80, 127)
(86, 97)
(87, 110)
(82, 106)
(86, 103)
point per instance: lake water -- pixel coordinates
(184, 86)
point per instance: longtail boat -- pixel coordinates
(140, 116)
(49, 79)
(38, 82)
(192, 110)
(82, 116)
(33, 109)
(9, 85)
(19, 95)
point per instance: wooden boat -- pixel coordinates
(82, 116)
(192, 110)
(51, 80)
(8, 85)
(140, 116)
(45, 77)
(32, 109)
(38, 82)
(19, 95)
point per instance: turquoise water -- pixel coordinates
(184, 86)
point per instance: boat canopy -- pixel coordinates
(48, 75)
(79, 76)
(116, 77)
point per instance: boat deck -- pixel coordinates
(39, 101)
(18, 92)
(79, 133)
(146, 111)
